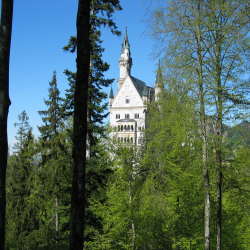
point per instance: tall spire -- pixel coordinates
(111, 95)
(158, 78)
(125, 60)
(125, 44)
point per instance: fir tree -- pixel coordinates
(22, 215)
(96, 171)
(56, 163)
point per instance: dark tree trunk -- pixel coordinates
(80, 126)
(218, 149)
(5, 39)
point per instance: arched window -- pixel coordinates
(128, 127)
(121, 127)
(121, 139)
(126, 116)
(131, 139)
(118, 138)
(124, 139)
(132, 128)
(125, 127)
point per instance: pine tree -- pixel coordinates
(22, 215)
(56, 163)
(101, 15)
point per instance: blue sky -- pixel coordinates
(41, 28)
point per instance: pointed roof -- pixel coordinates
(139, 85)
(158, 78)
(125, 44)
(111, 95)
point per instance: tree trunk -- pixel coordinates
(218, 129)
(80, 127)
(5, 40)
(203, 135)
(132, 221)
(56, 222)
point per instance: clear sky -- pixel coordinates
(41, 28)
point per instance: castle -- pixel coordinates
(128, 107)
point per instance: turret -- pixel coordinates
(158, 81)
(111, 97)
(125, 61)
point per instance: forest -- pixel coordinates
(186, 186)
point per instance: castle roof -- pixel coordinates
(145, 91)
(111, 95)
(125, 44)
(138, 84)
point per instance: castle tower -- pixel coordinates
(125, 60)
(158, 81)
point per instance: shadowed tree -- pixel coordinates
(5, 40)
(80, 126)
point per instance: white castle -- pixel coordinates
(128, 107)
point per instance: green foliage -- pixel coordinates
(22, 214)
(55, 170)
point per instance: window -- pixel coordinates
(121, 127)
(126, 116)
(139, 128)
(125, 128)
(117, 116)
(118, 139)
(132, 128)
(127, 100)
(136, 115)
(124, 139)
(128, 127)
(131, 139)
(121, 139)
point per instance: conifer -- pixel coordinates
(56, 162)
(97, 169)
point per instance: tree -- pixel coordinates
(55, 169)
(22, 216)
(5, 40)
(180, 23)
(227, 44)
(80, 126)
(173, 157)
(101, 15)
(209, 38)
(119, 211)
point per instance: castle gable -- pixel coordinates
(130, 93)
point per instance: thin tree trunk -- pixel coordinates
(204, 137)
(218, 131)
(5, 40)
(132, 222)
(80, 127)
(57, 235)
